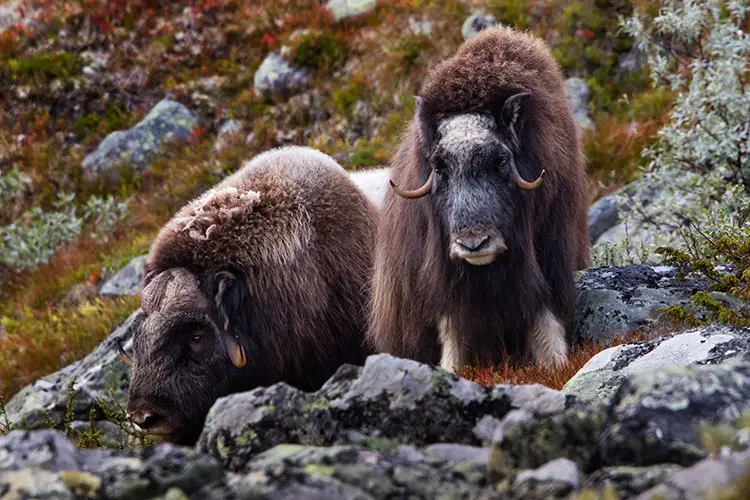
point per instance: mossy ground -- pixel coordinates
(364, 74)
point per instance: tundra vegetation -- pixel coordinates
(84, 70)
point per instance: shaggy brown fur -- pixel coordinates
(493, 308)
(278, 255)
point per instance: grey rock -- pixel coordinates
(703, 479)
(347, 9)
(349, 472)
(615, 301)
(559, 470)
(578, 96)
(390, 400)
(630, 481)
(277, 77)
(601, 376)
(459, 452)
(45, 449)
(60, 470)
(655, 418)
(486, 427)
(128, 280)
(476, 22)
(513, 417)
(537, 399)
(603, 215)
(135, 148)
(94, 376)
(640, 195)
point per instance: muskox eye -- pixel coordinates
(197, 339)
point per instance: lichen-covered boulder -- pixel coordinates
(602, 375)
(128, 280)
(618, 300)
(275, 76)
(656, 418)
(43, 464)
(354, 472)
(706, 479)
(135, 148)
(93, 375)
(389, 398)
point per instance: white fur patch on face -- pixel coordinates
(462, 134)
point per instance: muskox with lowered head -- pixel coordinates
(486, 223)
(260, 280)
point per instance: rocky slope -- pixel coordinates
(637, 418)
(399, 429)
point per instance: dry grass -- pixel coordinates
(508, 372)
(42, 341)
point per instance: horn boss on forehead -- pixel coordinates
(486, 221)
(259, 280)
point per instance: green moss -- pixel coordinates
(116, 117)
(344, 99)
(510, 12)
(409, 51)
(320, 470)
(678, 315)
(246, 437)
(319, 50)
(43, 68)
(82, 484)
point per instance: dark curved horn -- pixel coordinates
(128, 361)
(524, 184)
(419, 192)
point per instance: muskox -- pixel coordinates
(479, 239)
(259, 280)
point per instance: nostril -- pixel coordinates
(473, 243)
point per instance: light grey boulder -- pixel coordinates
(128, 280)
(600, 378)
(346, 9)
(476, 22)
(578, 96)
(373, 183)
(136, 147)
(703, 480)
(560, 470)
(603, 215)
(276, 77)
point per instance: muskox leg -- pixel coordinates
(451, 358)
(547, 340)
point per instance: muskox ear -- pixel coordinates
(512, 112)
(425, 124)
(230, 299)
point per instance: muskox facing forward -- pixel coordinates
(260, 280)
(479, 261)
